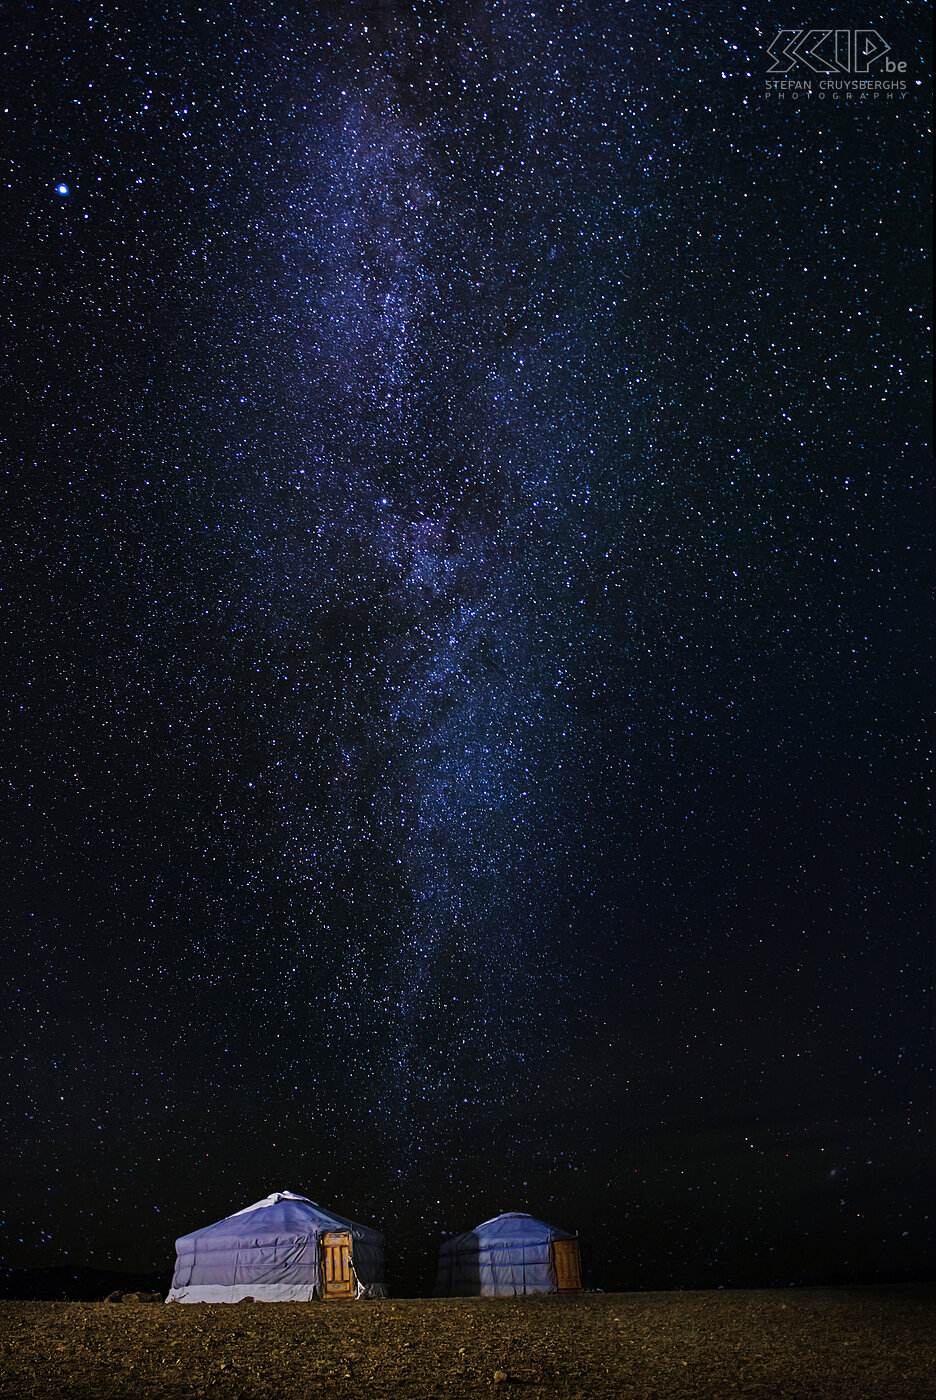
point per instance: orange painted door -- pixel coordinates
(567, 1266)
(337, 1279)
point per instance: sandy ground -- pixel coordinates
(810, 1344)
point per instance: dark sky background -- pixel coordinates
(466, 634)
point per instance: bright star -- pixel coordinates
(61, 189)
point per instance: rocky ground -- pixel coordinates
(810, 1344)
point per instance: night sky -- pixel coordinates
(466, 633)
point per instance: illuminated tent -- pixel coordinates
(284, 1248)
(513, 1253)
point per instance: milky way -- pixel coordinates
(466, 646)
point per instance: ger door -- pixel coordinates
(337, 1276)
(567, 1266)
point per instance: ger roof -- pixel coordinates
(512, 1225)
(281, 1215)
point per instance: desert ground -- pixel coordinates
(796, 1344)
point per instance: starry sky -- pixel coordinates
(466, 633)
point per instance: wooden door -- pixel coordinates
(337, 1278)
(567, 1266)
